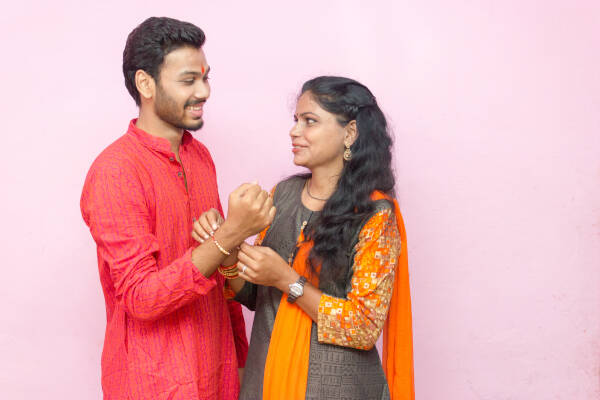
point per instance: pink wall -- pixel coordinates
(495, 106)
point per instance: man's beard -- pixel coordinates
(167, 109)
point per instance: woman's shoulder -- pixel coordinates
(382, 205)
(290, 186)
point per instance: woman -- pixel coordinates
(331, 270)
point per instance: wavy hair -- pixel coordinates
(369, 169)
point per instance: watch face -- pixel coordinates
(296, 290)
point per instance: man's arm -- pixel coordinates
(114, 207)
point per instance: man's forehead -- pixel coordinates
(186, 58)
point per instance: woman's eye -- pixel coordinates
(310, 121)
(188, 81)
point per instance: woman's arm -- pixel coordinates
(358, 320)
(263, 266)
(353, 322)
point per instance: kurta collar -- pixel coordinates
(153, 142)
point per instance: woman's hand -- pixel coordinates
(263, 266)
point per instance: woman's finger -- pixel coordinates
(249, 251)
(246, 259)
(246, 273)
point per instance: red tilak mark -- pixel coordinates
(202, 70)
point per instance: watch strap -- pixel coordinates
(291, 297)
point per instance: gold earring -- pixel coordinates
(347, 153)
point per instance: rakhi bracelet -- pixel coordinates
(221, 249)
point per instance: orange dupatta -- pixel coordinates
(286, 368)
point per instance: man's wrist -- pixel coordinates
(231, 259)
(228, 237)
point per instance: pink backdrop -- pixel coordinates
(495, 108)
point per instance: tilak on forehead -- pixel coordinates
(202, 69)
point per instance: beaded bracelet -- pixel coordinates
(221, 249)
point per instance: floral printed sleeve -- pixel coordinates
(358, 320)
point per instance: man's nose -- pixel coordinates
(202, 90)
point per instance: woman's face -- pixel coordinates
(317, 137)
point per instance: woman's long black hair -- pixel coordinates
(369, 169)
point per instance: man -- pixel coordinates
(170, 333)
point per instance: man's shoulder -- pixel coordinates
(120, 151)
(119, 156)
(115, 165)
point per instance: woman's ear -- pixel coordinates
(351, 133)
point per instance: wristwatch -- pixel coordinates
(296, 289)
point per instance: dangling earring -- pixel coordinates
(347, 153)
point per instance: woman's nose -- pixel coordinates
(295, 131)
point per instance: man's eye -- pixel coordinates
(188, 81)
(310, 121)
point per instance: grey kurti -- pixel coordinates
(334, 372)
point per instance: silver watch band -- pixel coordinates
(296, 289)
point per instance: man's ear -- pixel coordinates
(145, 84)
(351, 133)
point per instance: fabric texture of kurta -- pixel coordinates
(170, 333)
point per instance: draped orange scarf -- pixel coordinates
(286, 369)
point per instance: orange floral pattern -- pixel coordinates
(358, 321)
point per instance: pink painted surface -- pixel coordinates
(495, 108)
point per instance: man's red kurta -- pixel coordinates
(170, 332)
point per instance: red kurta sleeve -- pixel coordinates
(238, 324)
(114, 207)
(239, 332)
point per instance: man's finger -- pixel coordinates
(269, 202)
(213, 219)
(252, 191)
(196, 237)
(272, 213)
(200, 228)
(240, 190)
(206, 225)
